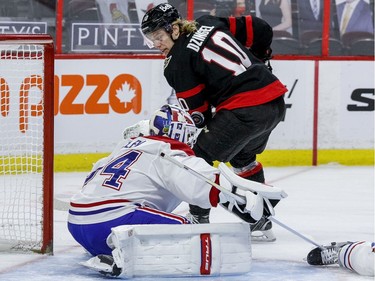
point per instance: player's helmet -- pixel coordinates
(161, 16)
(173, 122)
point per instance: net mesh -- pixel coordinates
(21, 145)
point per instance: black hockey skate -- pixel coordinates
(325, 255)
(197, 219)
(261, 231)
(198, 215)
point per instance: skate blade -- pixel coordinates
(263, 236)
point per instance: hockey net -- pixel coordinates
(26, 142)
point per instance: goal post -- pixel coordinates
(26, 142)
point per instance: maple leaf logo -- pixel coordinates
(126, 93)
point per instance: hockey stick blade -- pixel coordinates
(58, 204)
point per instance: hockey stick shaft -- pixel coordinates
(273, 219)
(240, 200)
(202, 177)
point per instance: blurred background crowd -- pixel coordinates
(297, 24)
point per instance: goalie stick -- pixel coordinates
(240, 200)
(59, 203)
(202, 177)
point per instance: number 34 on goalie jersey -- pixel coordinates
(117, 170)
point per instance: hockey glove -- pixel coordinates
(250, 200)
(246, 205)
(140, 129)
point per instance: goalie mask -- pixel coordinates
(173, 122)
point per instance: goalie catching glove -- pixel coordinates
(247, 199)
(140, 129)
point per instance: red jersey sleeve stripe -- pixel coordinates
(202, 108)
(232, 25)
(254, 97)
(191, 92)
(250, 33)
(178, 218)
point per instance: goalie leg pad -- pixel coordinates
(182, 250)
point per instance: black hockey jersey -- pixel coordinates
(214, 67)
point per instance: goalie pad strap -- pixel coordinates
(206, 254)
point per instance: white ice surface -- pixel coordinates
(326, 203)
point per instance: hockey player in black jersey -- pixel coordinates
(216, 66)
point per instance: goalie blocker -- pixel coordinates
(176, 250)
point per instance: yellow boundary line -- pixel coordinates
(269, 158)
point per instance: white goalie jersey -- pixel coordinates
(135, 175)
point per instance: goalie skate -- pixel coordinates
(325, 255)
(103, 264)
(197, 219)
(198, 215)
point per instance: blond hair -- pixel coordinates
(187, 26)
